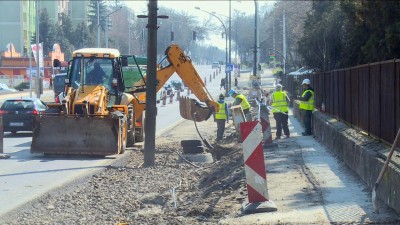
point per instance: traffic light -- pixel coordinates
(172, 35)
(194, 35)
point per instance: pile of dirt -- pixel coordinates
(171, 192)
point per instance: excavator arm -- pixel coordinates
(181, 64)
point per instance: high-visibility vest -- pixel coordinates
(307, 105)
(221, 114)
(279, 102)
(244, 103)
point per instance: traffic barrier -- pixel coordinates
(263, 116)
(164, 99)
(205, 80)
(171, 98)
(210, 78)
(214, 74)
(178, 95)
(254, 166)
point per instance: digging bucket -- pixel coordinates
(189, 107)
(76, 135)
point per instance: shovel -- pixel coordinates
(395, 143)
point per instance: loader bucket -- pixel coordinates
(191, 109)
(75, 135)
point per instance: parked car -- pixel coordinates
(18, 113)
(59, 83)
(4, 88)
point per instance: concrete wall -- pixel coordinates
(363, 154)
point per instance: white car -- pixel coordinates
(6, 88)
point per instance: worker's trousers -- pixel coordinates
(281, 123)
(220, 129)
(307, 121)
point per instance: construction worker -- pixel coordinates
(307, 105)
(241, 100)
(280, 109)
(222, 84)
(221, 117)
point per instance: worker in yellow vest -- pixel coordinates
(241, 100)
(307, 106)
(221, 117)
(280, 109)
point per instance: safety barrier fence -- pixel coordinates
(366, 97)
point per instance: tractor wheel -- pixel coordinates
(131, 127)
(193, 149)
(190, 143)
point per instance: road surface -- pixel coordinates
(26, 176)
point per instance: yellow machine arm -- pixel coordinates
(182, 65)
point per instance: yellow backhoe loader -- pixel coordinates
(102, 109)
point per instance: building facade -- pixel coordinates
(17, 19)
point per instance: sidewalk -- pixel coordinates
(309, 185)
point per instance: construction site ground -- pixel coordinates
(177, 192)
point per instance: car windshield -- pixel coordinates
(18, 104)
(96, 71)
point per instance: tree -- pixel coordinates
(82, 36)
(92, 15)
(46, 31)
(321, 44)
(67, 27)
(272, 29)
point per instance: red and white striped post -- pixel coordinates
(265, 124)
(254, 167)
(171, 97)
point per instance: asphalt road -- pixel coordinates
(26, 176)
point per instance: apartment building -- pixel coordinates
(17, 19)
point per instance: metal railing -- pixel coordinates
(366, 97)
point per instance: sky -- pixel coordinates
(220, 7)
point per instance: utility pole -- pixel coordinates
(273, 37)
(29, 48)
(151, 84)
(230, 44)
(98, 24)
(284, 41)
(150, 125)
(37, 50)
(255, 38)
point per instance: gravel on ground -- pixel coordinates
(171, 192)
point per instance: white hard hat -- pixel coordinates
(306, 81)
(278, 87)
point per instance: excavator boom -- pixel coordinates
(181, 64)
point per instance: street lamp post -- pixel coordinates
(255, 38)
(98, 24)
(226, 44)
(106, 18)
(283, 57)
